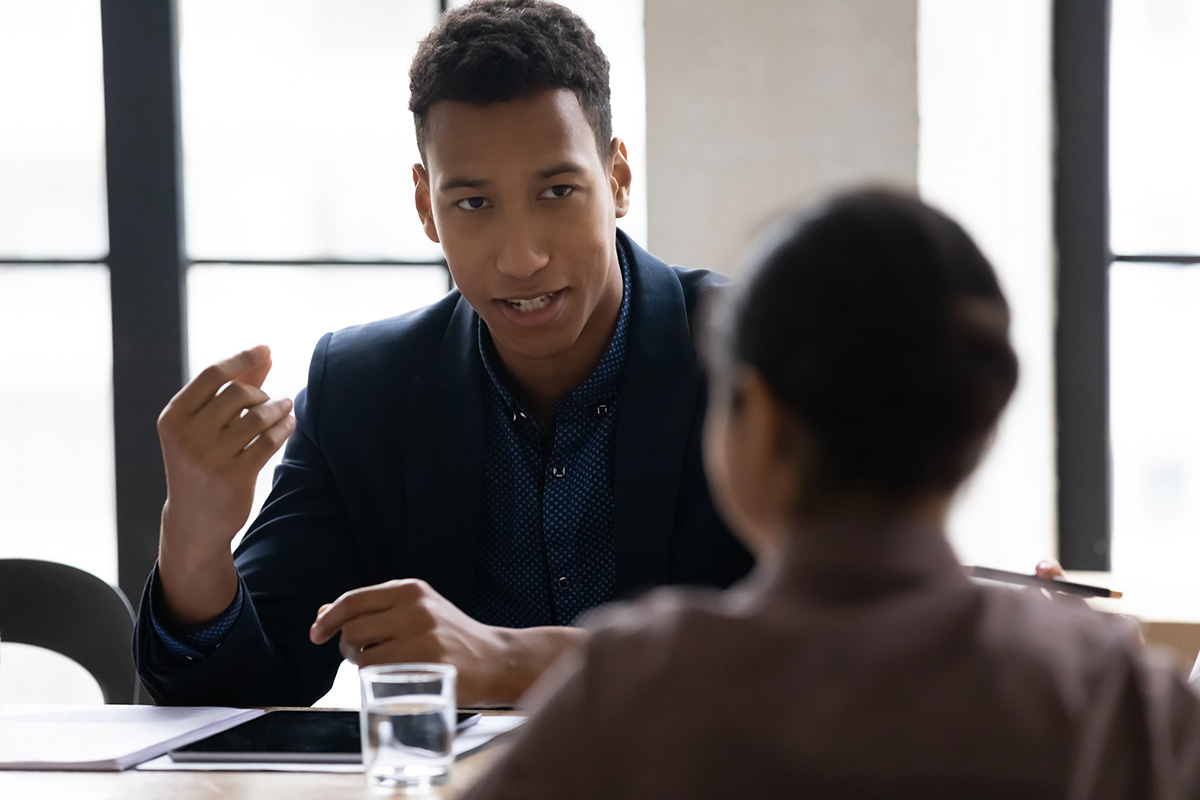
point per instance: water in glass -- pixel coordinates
(407, 743)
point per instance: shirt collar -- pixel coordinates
(605, 381)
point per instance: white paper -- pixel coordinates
(481, 733)
(472, 739)
(104, 737)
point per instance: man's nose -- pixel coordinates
(522, 250)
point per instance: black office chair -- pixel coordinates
(74, 613)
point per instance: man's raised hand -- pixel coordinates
(216, 434)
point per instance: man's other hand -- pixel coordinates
(407, 621)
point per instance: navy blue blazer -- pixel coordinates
(384, 478)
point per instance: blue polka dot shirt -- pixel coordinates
(546, 554)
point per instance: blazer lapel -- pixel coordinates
(445, 460)
(654, 423)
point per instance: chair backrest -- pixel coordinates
(72, 612)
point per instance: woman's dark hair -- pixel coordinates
(490, 51)
(880, 325)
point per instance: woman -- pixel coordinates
(856, 377)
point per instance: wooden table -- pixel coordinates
(136, 785)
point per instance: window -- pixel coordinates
(57, 499)
(984, 105)
(1154, 288)
(1128, 222)
(298, 149)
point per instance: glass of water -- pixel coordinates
(408, 713)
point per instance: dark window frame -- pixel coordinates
(1080, 63)
(1082, 47)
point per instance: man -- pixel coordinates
(464, 481)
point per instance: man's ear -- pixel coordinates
(620, 176)
(424, 201)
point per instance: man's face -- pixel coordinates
(525, 210)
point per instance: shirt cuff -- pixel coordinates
(196, 642)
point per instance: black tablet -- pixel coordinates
(290, 735)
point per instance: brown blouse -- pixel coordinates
(860, 664)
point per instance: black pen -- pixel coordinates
(1054, 585)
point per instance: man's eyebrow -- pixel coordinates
(565, 168)
(463, 183)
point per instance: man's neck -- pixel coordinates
(541, 392)
(541, 383)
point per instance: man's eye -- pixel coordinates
(561, 190)
(472, 203)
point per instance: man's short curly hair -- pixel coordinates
(490, 51)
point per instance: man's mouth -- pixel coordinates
(533, 303)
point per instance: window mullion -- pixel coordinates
(142, 128)
(1081, 54)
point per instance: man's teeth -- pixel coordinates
(533, 304)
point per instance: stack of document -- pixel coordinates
(104, 737)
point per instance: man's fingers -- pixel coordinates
(394, 625)
(228, 405)
(257, 373)
(359, 602)
(253, 423)
(201, 389)
(365, 631)
(267, 444)
(345, 608)
(395, 650)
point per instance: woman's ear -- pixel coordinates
(776, 441)
(763, 460)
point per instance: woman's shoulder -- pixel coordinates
(1026, 620)
(668, 634)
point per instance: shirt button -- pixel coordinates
(559, 471)
(601, 410)
(563, 583)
